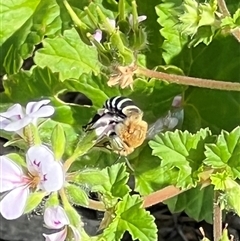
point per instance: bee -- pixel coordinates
(131, 133)
(119, 126)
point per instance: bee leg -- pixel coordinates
(117, 160)
(128, 164)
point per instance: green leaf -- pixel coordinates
(33, 200)
(153, 53)
(182, 151)
(45, 130)
(232, 22)
(58, 141)
(94, 87)
(225, 154)
(76, 195)
(131, 216)
(64, 54)
(25, 24)
(34, 84)
(148, 173)
(52, 200)
(90, 177)
(205, 107)
(116, 186)
(196, 202)
(218, 180)
(17, 159)
(168, 13)
(232, 190)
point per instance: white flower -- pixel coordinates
(17, 117)
(44, 173)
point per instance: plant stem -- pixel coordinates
(223, 8)
(161, 195)
(150, 200)
(191, 81)
(217, 218)
(236, 33)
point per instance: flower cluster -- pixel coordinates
(39, 173)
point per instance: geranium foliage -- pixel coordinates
(178, 60)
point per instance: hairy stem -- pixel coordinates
(161, 195)
(223, 8)
(190, 81)
(217, 218)
(148, 201)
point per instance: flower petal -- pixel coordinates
(53, 178)
(18, 124)
(55, 217)
(177, 101)
(141, 18)
(11, 175)
(59, 236)
(44, 111)
(4, 122)
(11, 116)
(98, 35)
(38, 159)
(35, 106)
(13, 204)
(15, 110)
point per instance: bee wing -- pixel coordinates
(166, 123)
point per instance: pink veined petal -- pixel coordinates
(53, 179)
(44, 111)
(11, 175)
(98, 35)
(59, 236)
(76, 233)
(15, 110)
(13, 204)
(55, 217)
(35, 106)
(18, 124)
(38, 159)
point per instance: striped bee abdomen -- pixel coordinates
(121, 106)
